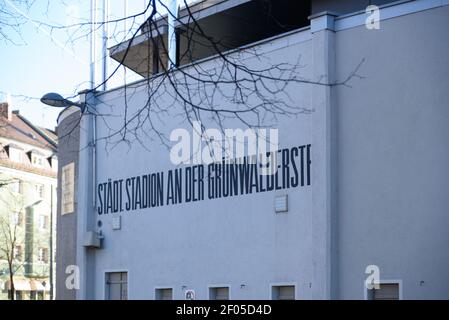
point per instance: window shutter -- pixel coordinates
(387, 291)
(67, 188)
(286, 293)
(117, 285)
(221, 293)
(166, 294)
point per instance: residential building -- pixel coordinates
(28, 169)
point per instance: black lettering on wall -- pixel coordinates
(100, 207)
(128, 201)
(227, 178)
(170, 190)
(189, 186)
(285, 169)
(145, 191)
(109, 198)
(309, 163)
(138, 196)
(301, 148)
(121, 191)
(294, 181)
(160, 189)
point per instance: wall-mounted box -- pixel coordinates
(281, 204)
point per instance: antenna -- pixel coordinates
(102, 53)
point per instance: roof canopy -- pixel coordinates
(230, 24)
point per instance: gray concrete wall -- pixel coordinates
(393, 133)
(379, 175)
(66, 225)
(240, 241)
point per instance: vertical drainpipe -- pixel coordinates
(87, 162)
(85, 197)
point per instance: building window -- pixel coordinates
(17, 253)
(17, 218)
(43, 222)
(117, 286)
(40, 190)
(15, 155)
(387, 291)
(42, 255)
(37, 160)
(164, 294)
(33, 295)
(19, 295)
(67, 188)
(283, 292)
(219, 293)
(15, 186)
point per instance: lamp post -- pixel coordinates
(56, 100)
(87, 168)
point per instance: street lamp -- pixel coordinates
(56, 100)
(86, 166)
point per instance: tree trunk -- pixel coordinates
(11, 283)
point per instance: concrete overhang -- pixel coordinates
(230, 23)
(140, 51)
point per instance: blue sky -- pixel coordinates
(44, 62)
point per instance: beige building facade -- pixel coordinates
(28, 169)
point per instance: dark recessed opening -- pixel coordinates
(239, 26)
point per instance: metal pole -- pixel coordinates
(104, 48)
(85, 216)
(172, 39)
(125, 26)
(93, 38)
